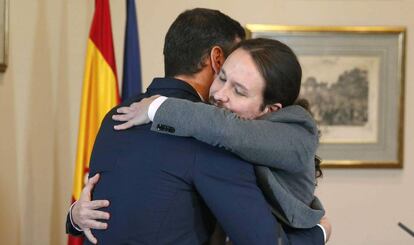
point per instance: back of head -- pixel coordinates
(279, 68)
(192, 36)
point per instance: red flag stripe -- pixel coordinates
(101, 32)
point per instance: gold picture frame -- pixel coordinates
(4, 34)
(354, 78)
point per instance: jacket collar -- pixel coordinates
(160, 85)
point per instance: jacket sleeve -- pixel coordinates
(70, 229)
(311, 236)
(276, 141)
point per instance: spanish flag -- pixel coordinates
(99, 93)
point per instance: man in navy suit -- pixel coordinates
(163, 189)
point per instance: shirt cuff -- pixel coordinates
(154, 106)
(70, 217)
(324, 232)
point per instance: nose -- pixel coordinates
(220, 96)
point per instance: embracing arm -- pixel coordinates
(286, 139)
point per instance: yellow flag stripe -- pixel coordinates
(99, 95)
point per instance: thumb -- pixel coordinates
(86, 192)
(94, 179)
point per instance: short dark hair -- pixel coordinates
(279, 67)
(192, 36)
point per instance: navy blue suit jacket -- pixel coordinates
(163, 188)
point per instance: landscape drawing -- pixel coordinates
(343, 94)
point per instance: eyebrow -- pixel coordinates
(237, 83)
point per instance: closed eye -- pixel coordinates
(222, 76)
(239, 92)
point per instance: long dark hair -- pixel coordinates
(305, 104)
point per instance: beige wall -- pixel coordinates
(40, 97)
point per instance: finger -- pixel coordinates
(95, 215)
(94, 179)
(90, 237)
(135, 104)
(97, 225)
(97, 204)
(91, 183)
(124, 109)
(123, 117)
(116, 117)
(86, 192)
(124, 126)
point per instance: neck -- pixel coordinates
(199, 82)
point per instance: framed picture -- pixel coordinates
(353, 78)
(4, 34)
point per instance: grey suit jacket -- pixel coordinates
(282, 145)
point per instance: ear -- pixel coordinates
(273, 107)
(217, 58)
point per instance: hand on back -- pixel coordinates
(85, 214)
(133, 115)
